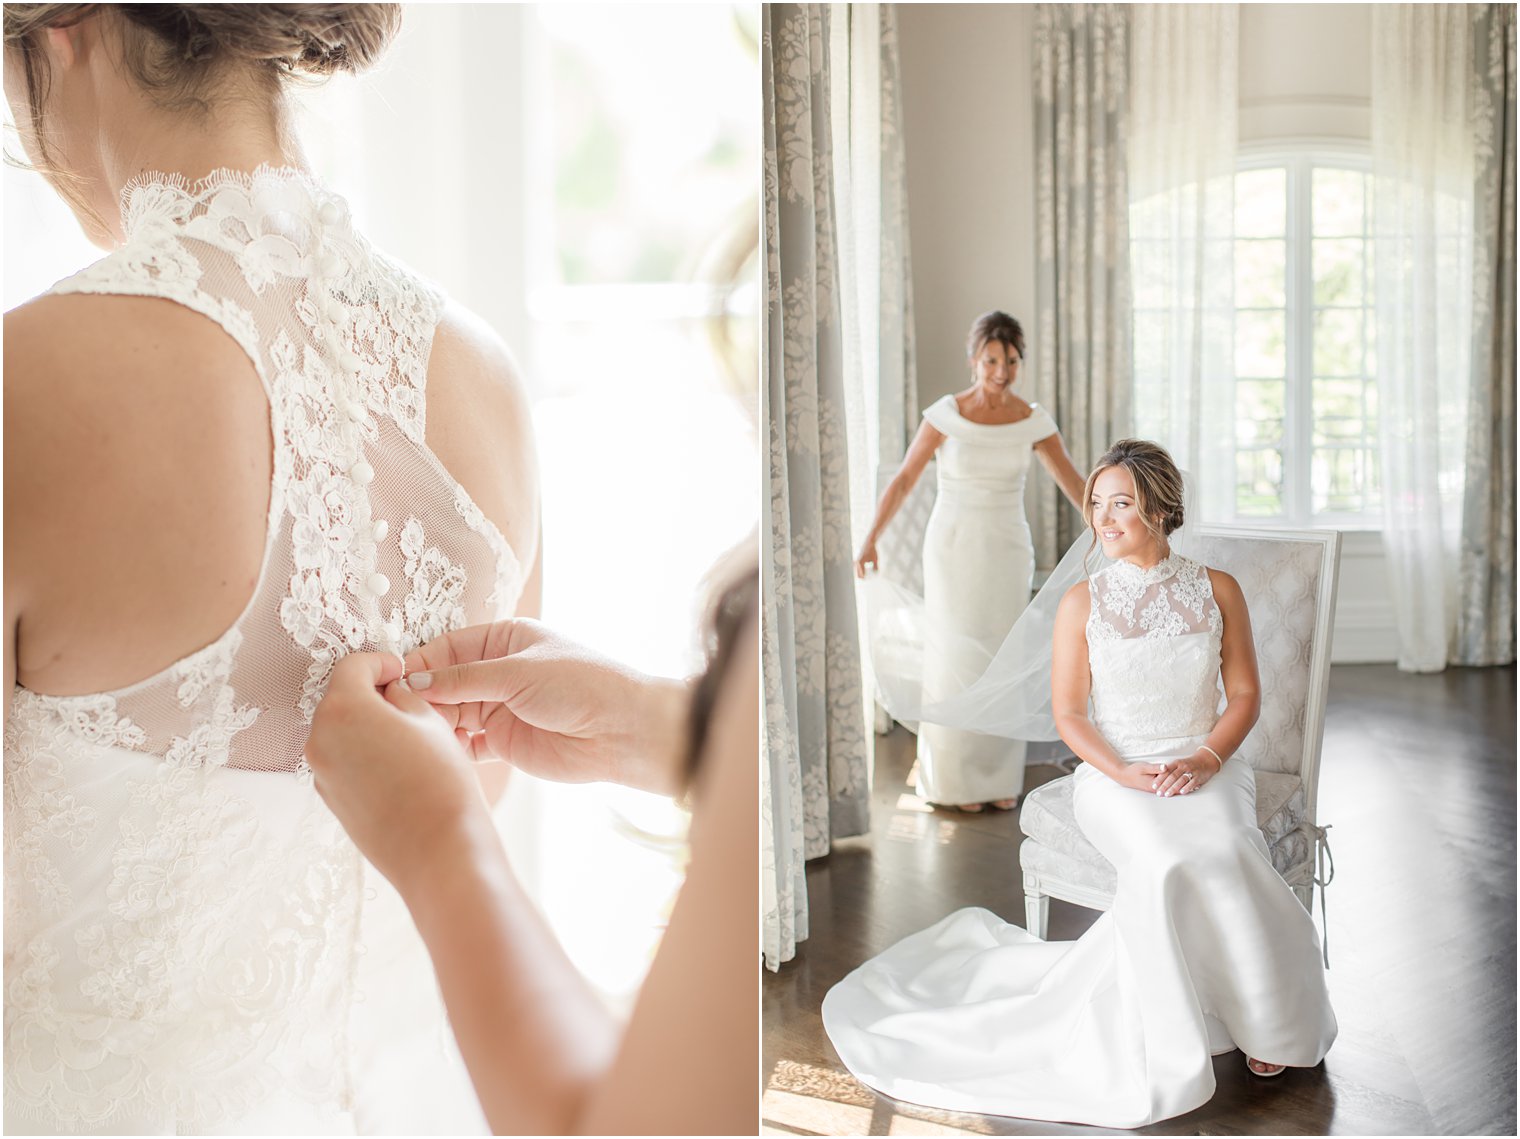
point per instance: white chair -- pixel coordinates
(1289, 580)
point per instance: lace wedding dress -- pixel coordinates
(1205, 948)
(978, 566)
(186, 925)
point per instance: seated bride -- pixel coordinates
(1205, 950)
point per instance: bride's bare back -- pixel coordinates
(138, 463)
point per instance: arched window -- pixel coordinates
(1263, 291)
(1304, 429)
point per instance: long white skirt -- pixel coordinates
(978, 568)
(1206, 949)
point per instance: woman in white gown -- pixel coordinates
(237, 448)
(978, 555)
(1205, 949)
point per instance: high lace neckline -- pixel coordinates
(1133, 575)
(157, 197)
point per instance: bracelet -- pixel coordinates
(1217, 757)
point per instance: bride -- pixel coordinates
(241, 446)
(1206, 948)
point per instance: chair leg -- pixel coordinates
(1036, 911)
(1305, 895)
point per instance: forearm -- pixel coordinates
(533, 1035)
(652, 755)
(1087, 743)
(1073, 486)
(886, 509)
(1234, 724)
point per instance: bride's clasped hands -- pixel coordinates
(1184, 776)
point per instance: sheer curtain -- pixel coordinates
(1082, 342)
(1434, 129)
(870, 186)
(876, 294)
(815, 776)
(1182, 141)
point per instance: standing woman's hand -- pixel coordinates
(867, 558)
(391, 769)
(519, 691)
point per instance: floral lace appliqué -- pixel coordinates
(432, 606)
(181, 909)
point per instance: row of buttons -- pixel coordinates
(329, 267)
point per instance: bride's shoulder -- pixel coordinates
(1223, 585)
(480, 424)
(1075, 602)
(1220, 579)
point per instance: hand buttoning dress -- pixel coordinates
(1205, 949)
(978, 569)
(192, 944)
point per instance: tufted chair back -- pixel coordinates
(1289, 581)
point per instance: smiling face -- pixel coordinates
(996, 366)
(1117, 520)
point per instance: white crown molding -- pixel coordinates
(1296, 102)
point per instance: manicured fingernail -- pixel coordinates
(420, 680)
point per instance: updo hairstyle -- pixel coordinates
(1158, 484)
(180, 54)
(997, 326)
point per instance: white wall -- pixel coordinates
(968, 118)
(1305, 71)
(968, 111)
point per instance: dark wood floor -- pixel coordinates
(1418, 782)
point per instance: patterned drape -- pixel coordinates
(1184, 83)
(1486, 570)
(1081, 344)
(1441, 139)
(815, 778)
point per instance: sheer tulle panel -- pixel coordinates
(1168, 600)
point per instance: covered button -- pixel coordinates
(362, 473)
(378, 584)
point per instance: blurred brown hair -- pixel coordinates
(181, 54)
(733, 606)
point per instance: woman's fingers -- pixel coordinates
(1181, 780)
(400, 695)
(473, 644)
(493, 680)
(359, 671)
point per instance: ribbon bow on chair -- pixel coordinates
(1322, 855)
